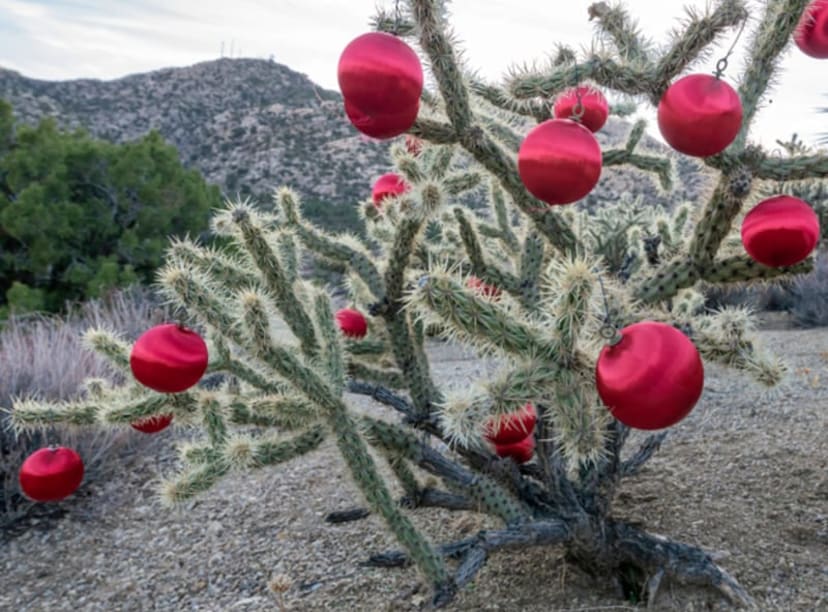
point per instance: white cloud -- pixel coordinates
(62, 39)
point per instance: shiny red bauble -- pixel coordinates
(386, 186)
(382, 125)
(381, 80)
(559, 161)
(521, 451)
(168, 358)
(811, 34)
(595, 106)
(50, 474)
(700, 115)
(652, 378)
(152, 424)
(351, 322)
(780, 231)
(490, 291)
(514, 427)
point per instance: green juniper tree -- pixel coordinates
(563, 278)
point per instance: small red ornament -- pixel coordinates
(514, 427)
(413, 145)
(380, 76)
(559, 161)
(51, 474)
(382, 125)
(521, 451)
(652, 378)
(700, 115)
(351, 322)
(388, 185)
(595, 106)
(490, 291)
(153, 424)
(811, 34)
(169, 358)
(780, 231)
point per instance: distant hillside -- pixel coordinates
(250, 126)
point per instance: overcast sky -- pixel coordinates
(67, 39)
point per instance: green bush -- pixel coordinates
(79, 216)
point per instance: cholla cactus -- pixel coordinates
(535, 285)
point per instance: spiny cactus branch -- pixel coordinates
(740, 268)
(797, 168)
(619, 27)
(648, 448)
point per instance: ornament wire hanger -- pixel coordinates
(721, 65)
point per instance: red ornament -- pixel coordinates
(490, 291)
(50, 474)
(153, 424)
(388, 185)
(652, 378)
(780, 231)
(521, 451)
(514, 427)
(700, 115)
(382, 125)
(559, 161)
(351, 322)
(811, 34)
(596, 108)
(380, 76)
(413, 145)
(168, 358)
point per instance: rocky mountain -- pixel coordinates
(250, 126)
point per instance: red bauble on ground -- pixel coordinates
(153, 424)
(351, 322)
(780, 231)
(413, 145)
(382, 125)
(50, 474)
(380, 78)
(652, 378)
(521, 451)
(811, 34)
(482, 288)
(513, 427)
(700, 115)
(386, 186)
(596, 108)
(169, 358)
(559, 161)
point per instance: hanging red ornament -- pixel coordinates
(351, 322)
(490, 291)
(382, 125)
(388, 185)
(50, 474)
(152, 424)
(413, 145)
(700, 115)
(521, 451)
(514, 427)
(595, 106)
(168, 358)
(652, 378)
(380, 76)
(559, 161)
(811, 34)
(780, 231)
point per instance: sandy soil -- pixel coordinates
(746, 476)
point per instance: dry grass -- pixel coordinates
(43, 356)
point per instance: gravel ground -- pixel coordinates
(745, 475)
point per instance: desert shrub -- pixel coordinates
(810, 292)
(42, 356)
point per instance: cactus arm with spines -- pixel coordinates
(486, 271)
(245, 453)
(532, 260)
(391, 378)
(288, 412)
(618, 27)
(332, 353)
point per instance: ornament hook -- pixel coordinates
(721, 65)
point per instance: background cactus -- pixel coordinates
(542, 288)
